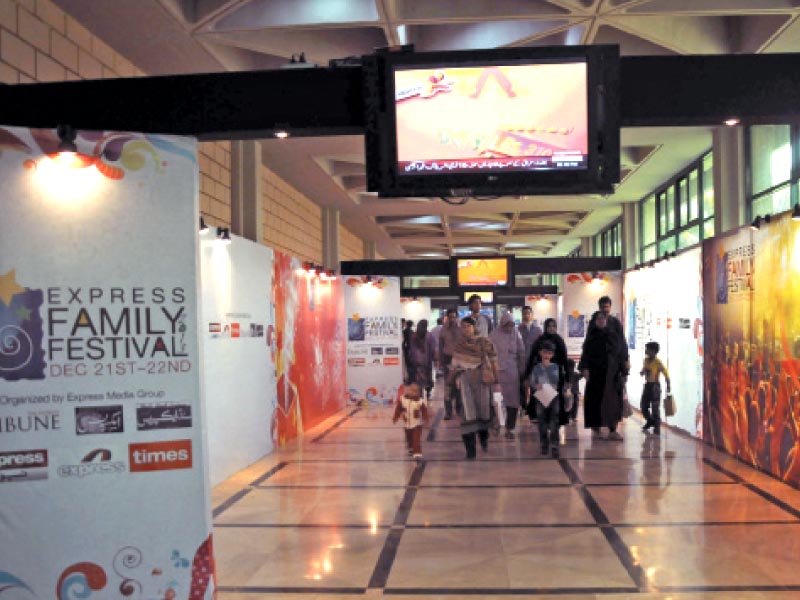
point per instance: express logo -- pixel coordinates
(160, 456)
(23, 465)
(21, 351)
(96, 462)
(99, 419)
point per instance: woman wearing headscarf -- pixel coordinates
(603, 365)
(421, 352)
(474, 360)
(511, 362)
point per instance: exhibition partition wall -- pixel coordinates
(664, 304)
(752, 331)
(374, 355)
(239, 353)
(544, 307)
(310, 340)
(580, 293)
(416, 309)
(102, 450)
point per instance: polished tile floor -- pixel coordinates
(345, 514)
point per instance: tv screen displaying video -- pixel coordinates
(482, 272)
(492, 118)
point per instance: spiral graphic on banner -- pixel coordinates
(16, 348)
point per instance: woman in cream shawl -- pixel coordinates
(476, 396)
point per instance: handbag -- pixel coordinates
(669, 406)
(627, 409)
(487, 371)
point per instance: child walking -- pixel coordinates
(651, 394)
(414, 410)
(547, 383)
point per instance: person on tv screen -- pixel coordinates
(483, 324)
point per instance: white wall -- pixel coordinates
(239, 372)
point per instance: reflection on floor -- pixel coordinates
(346, 514)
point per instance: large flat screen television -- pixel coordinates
(492, 122)
(481, 271)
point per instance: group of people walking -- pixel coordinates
(530, 368)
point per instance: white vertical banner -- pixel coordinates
(238, 317)
(103, 488)
(374, 355)
(664, 304)
(580, 293)
(416, 309)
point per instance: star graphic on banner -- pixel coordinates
(24, 313)
(9, 287)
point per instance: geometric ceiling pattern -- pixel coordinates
(190, 36)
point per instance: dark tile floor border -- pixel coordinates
(385, 562)
(508, 591)
(503, 525)
(435, 425)
(227, 589)
(620, 548)
(754, 488)
(335, 425)
(268, 474)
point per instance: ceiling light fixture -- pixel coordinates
(281, 134)
(756, 224)
(66, 136)
(732, 122)
(224, 235)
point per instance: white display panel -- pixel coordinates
(580, 293)
(374, 354)
(239, 364)
(102, 481)
(664, 304)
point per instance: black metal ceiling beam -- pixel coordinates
(655, 90)
(522, 266)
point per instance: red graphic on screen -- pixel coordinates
(501, 118)
(310, 365)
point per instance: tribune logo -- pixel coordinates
(160, 456)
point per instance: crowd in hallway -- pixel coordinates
(491, 376)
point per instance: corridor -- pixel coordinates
(346, 514)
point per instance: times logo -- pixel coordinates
(160, 456)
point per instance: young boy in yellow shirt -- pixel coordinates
(651, 394)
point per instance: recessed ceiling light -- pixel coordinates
(281, 135)
(732, 122)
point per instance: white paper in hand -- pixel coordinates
(546, 394)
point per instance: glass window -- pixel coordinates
(708, 228)
(708, 185)
(649, 253)
(662, 214)
(683, 200)
(694, 197)
(689, 237)
(670, 208)
(776, 202)
(598, 245)
(667, 245)
(770, 155)
(649, 221)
